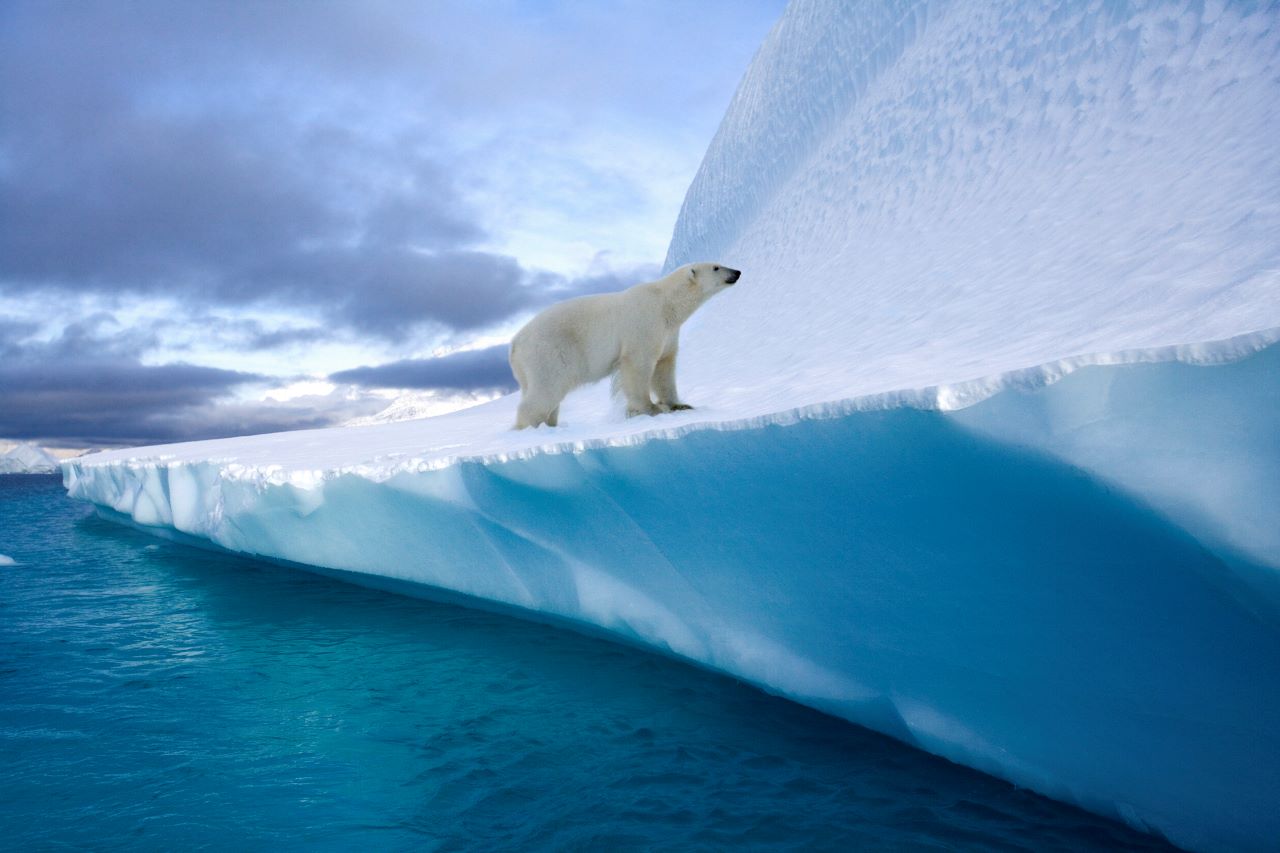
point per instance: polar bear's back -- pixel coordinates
(573, 341)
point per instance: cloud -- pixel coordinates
(603, 279)
(369, 178)
(389, 291)
(128, 403)
(262, 339)
(91, 384)
(117, 403)
(123, 171)
(12, 331)
(89, 387)
(208, 213)
(276, 155)
(98, 337)
(487, 369)
(475, 370)
(205, 213)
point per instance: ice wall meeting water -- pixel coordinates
(987, 447)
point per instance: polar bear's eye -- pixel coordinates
(717, 269)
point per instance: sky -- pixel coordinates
(231, 218)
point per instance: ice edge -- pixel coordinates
(944, 397)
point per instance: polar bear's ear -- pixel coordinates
(693, 274)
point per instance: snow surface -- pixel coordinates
(926, 193)
(27, 459)
(987, 447)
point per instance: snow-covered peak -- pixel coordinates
(416, 405)
(27, 459)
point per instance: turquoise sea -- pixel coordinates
(159, 697)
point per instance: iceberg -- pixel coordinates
(987, 448)
(27, 459)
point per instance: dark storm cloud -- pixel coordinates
(486, 369)
(136, 158)
(476, 370)
(124, 402)
(301, 155)
(300, 158)
(86, 418)
(121, 383)
(388, 290)
(97, 337)
(555, 289)
(264, 340)
(116, 402)
(12, 331)
(88, 386)
(232, 333)
(203, 214)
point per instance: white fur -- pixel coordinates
(635, 334)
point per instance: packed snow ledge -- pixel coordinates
(483, 433)
(1228, 498)
(1133, 418)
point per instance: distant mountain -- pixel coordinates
(27, 459)
(415, 405)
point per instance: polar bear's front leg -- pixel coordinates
(664, 384)
(635, 376)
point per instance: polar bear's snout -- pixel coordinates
(733, 275)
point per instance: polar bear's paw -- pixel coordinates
(658, 409)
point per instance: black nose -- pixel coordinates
(734, 275)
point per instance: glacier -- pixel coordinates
(987, 448)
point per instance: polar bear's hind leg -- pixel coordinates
(537, 405)
(535, 410)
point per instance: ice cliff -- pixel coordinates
(987, 453)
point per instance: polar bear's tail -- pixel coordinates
(516, 370)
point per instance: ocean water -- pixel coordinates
(156, 696)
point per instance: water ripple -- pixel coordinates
(156, 696)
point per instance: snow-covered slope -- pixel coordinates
(987, 447)
(923, 193)
(27, 459)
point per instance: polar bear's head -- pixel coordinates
(712, 278)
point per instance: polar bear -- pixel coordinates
(634, 334)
